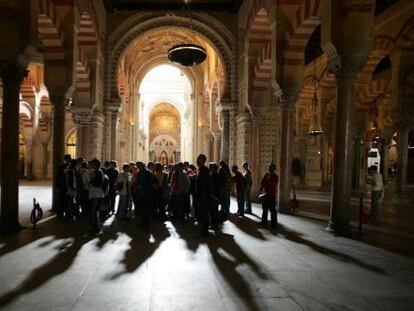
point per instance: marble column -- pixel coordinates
(58, 102)
(345, 70)
(225, 133)
(285, 180)
(82, 119)
(217, 146)
(11, 76)
(402, 147)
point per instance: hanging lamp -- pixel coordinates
(315, 128)
(187, 54)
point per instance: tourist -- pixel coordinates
(268, 188)
(61, 186)
(162, 192)
(180, 187)
(377, 192)
(239, 182)
(83, 190)
(215, 195)
(247, 174)
(226, 186)
(96, 195)
(123, 186)
(71, 191)
(203, 190)
(143, 191)
(112, 174)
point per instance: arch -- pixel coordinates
(405, 39)
(220, 38)
(88, 24)
(371, 92)
(306, 19)
(259, 28)
(71, 143)
(27, 88)
(51, 33)
(263, 67)
(83, 84)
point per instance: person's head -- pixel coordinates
(201, 160)
(73, 164)
(213, 167)
(192, 167)
(95, 164)
(125, 167)
(67, 158)
(151, 166)
(222, 163)
(271, 168)
(140, 166)
(113, 164)
(180, 166)
(158, 167)
(84, 164)
(234, 168)
(186, 165)
(374, 168)
(246, 166)
(106, 164)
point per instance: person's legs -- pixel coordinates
(94, 216)
(122, 206)
(375, 197)
(240, 203)
(264, 213)
(273, 213)
(248, 201)
(202, 217)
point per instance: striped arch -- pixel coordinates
(122, 87)
(83, 84)
(371, 92)
(258, 27)
(327, 79)
(26, 119)
(383, 46)
(306, 19)
(27, 89)
(263, 67)
(88, 24)
(51, 33)
(405, 39)
(310, 84)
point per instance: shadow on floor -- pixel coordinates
(248, 226)
(297, 238)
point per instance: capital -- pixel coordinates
(82, 116)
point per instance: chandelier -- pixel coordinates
(315, 129)
(187, 54)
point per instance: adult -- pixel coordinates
(215, 195)
(123, 186)
(226, 185)
(112, 173)
(268, 187)
(61, 185)
(247, 175)
(377, 192)
(203, 189)
(96, 196)
(144, 189)
(239, 182)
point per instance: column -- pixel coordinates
(286, 153)
(217, 146)
(106, 153)
(225, 132)
(114, 134)
(82, 118)
(345, 70)
(402, 147)
(29, 158)
(11, 75)
(58, 152)
(96, 135)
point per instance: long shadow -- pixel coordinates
(248, 226)
(297, 238)
(228, 267)
(67, 252)
(141, 247)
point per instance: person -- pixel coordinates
(162, 193)
(112, 174)
(376, 182)
(96, 196)
(247, 174)
(268, 188)
(61, 185)
(123, 186)
(226, 185)
(143, 190)
(71, 192)
(239, 182)
(83, 173)
(180, 186)
(203, 189)
(215, 195)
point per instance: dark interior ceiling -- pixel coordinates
(172, 5)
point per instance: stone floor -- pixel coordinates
(242, 267)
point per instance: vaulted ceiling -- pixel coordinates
(196, 5)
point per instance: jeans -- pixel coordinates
(122, 206)
(248, 201)
(95, 214)
(269, 204)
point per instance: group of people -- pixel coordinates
(154, 192)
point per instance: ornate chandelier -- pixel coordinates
(187, 54)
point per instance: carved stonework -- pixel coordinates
(82, 117)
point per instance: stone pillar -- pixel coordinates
(96, 135)
(345, 70)
(114, 134)
(286, 153)
(402, 147)
(82, 118)
(58, 102)
(313, 173)
(225, 131)
(11, 76)
(106, 152)
(217, 146)
(29, 158)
